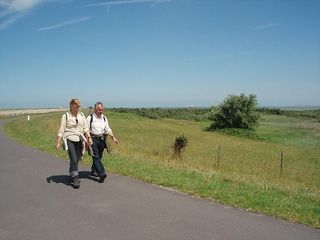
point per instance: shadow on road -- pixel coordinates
(65, 179)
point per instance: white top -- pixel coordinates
(72, 127)
(99, 126)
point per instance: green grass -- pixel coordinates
(247, 176)
(299, 132)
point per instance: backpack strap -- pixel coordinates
(91, 120)
(84, 118)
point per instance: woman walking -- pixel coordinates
(74, 132)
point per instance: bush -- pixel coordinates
(236, 112)
(275, 111)
(245, 133)
(179, 144)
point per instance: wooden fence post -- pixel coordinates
(281, 162)
(140, 142)
(219, 153)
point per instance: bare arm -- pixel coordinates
(58, 144)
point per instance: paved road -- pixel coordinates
(37, 203)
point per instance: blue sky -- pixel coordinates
(158, 53)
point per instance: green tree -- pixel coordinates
(236, 112)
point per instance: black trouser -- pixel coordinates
(98, 146)
(75, 154)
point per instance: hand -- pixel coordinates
(58, 146)
(89, 140)
(115, 140)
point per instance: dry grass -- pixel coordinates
(242, 158)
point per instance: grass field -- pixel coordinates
(248, 172)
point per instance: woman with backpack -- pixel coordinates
(74, 132)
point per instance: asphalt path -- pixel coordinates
(37, 203)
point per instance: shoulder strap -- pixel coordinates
(91, 119)
(66, 116)
(84, 118)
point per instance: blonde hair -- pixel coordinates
(74, 102)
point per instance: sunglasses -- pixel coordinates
(77, 121)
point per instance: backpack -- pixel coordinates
(105, 138)
(67, 113)
(91, 119)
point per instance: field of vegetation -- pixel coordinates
(243, 170)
